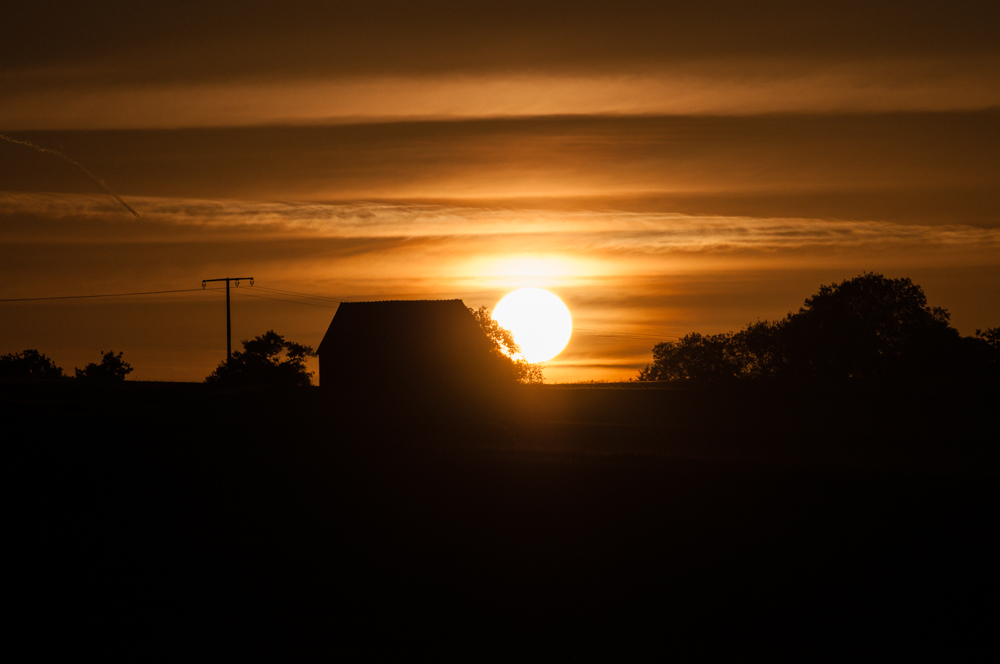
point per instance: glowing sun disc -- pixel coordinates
(540, 322)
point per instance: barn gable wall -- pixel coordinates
(406, 344)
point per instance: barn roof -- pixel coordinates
(414, 322)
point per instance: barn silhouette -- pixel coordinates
(430, 346)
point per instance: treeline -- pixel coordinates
(30, 364)
(868, 327)
(265, 360)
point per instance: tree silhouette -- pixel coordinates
(991, 336)
(111, 369)
(504, 347)
(983, 350)
(694, 357)
(759, 350)
(869, 327)
(265, 360)
(28, 364)
(866, 327)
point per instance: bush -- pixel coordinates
(261, 363)
(111, 369)
(28, 364)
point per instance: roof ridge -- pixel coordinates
(454, 299)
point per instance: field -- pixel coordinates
(576, 519)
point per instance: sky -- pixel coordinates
(663, 168)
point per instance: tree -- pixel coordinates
(504, 347)
(991, 336)
(759, 351)
(28, 364)
(865, 327)
(868, 327)
(111, 369)
(694, 357)
(755, 352)
(984, 350)
(265, 360)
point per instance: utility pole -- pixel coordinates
(229, 320)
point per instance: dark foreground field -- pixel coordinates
(585, 521)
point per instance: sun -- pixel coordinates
(540, 322)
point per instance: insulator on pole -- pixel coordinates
(229, 328)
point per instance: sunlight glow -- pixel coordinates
(540, 322)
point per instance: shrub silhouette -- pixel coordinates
(694, 356)
(111, 369)
(261, 363)
(866, 327)
(504, 347)
(28, 364)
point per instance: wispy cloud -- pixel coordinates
(82, 218)
(206, 65)
(939, 168)
(719, 88)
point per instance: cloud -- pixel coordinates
(218, 64)
(903, 167)
(32, 217)
(717, 88)
(228, 41)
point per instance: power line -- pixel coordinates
(287, 292)
(78, 297)
(276, 299)
(182, 290)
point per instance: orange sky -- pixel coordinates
(663, 171)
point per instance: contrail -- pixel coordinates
(75, 163)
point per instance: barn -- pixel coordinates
(427, 345)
